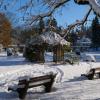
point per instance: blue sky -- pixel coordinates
(71, 13)
(65, 16)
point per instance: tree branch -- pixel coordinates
(57, 5)
(77, 23)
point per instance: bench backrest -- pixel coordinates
(36, 81)
(94, 70)
(97, 70)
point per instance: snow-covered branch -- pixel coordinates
(95, 4)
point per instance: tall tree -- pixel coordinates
(54, 22)
(52, 25)
(41, 25)
(5, 30)
(96, 32)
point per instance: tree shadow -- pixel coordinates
(11, 61)
(8, 96)
(81, 78)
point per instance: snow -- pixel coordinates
(54, 38)
(69, 84)
(50, 38)
(95, 6)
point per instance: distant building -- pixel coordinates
(83, 44)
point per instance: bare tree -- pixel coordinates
(28, 6)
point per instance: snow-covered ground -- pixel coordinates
(69, 83)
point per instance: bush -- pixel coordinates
(67, 48)
(34, 54)
(71, 58)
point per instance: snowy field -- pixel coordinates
(69, 84)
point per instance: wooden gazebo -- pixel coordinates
(39, 44)
(57, 43)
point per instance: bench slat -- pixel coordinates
(21, 86)
(33, 84)
(40, 78)
(38, 83)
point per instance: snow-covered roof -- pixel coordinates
(53, 38)
(50, 37)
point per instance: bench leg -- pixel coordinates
(48, 87)
(99, 75)
(90, 77)
(22, 93)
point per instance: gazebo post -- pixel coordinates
(54, 54)
(58, 53)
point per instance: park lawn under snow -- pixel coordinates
(69, 84)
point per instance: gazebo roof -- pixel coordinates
(50, 37)
(53, 38)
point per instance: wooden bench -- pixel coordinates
(24, 85)
(93, 73)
